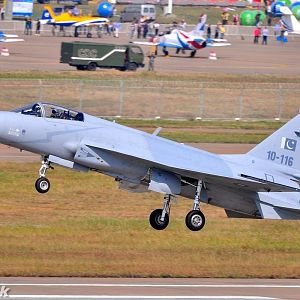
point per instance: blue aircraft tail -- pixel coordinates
(282, 147)
(46, 15)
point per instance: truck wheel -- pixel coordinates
(92, 66)
(132, 66)
(81, 68)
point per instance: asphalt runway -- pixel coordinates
(142, 288)
(42, 53)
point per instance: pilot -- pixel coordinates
(54, 113)
(36, 109)
(79, 117)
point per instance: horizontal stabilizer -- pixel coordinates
(218, 44)
(11, 40)
(279, 205)
(235, 214)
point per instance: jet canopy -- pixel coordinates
(48, 110)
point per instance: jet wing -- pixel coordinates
(169, 45)
(11, 40)
(91, 22)
(218, 44)
(242, 182)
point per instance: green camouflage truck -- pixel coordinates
(89, 56)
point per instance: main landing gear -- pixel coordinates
(194, 220)
(42, 184)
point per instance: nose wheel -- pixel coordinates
(42, 184)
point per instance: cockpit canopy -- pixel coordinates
(48, 110)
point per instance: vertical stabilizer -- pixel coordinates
(47, 14)
(289, 20)
(282, 147)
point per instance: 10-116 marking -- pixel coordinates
(282, 159)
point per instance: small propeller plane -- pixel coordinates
(9, 38)
(181, 40)
(263, 183)
(289, 21)
(69, 19)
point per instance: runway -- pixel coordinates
(142, 288)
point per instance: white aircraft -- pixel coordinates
(181, 40)
(289, 21)
(9, 38)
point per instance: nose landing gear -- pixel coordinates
(42, 184)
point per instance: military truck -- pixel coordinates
(89, 56)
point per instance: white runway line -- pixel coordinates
(138, 297)
(154, 285)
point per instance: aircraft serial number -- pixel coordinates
(282, 159)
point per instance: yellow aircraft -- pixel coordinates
(70, 18)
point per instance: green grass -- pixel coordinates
(85, 226)
(187, 137)
(155, 76)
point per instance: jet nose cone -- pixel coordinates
(6, 122)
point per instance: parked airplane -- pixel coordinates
(289, 21)
(9, 38)
(69, 19)
(264, 183)
(181, 40)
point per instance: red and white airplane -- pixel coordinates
(182, 40)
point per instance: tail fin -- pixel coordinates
(47, 14)
(200, 27)
(282, 147)
(289, 20)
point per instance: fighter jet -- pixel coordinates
(263, 183)
(181, 40)
(9, 38)
(289, 21)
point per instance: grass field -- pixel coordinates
(85, 226)
(189, 13)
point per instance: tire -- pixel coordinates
(193, 53)
(80, 68)
(195, 220)
(155, 221)
(42, 185)
(132, 66)
(92, 66)
(89, 35)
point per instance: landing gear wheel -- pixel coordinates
(195, 220)
(42, 185)
(155, 220)
(193, 53)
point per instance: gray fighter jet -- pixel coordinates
(264, 183)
